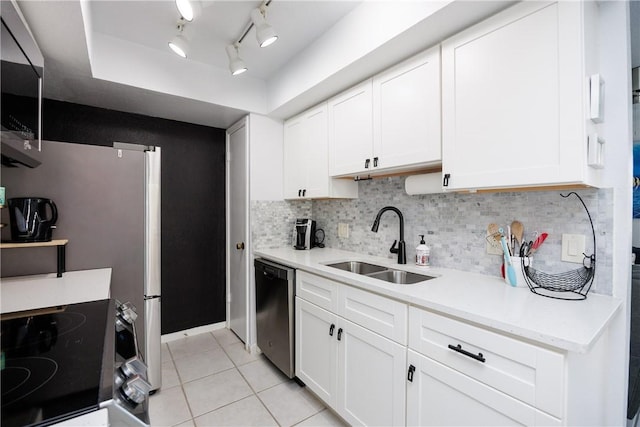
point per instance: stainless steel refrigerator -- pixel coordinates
(108, 201)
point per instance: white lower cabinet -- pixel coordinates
(462, 374)
(356, 371)
(316, 348)
(371, 377)
(440, 396)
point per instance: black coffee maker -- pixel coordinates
(30, 221)
(304, 234)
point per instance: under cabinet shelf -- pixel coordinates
(60, 244)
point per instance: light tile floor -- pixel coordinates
(210, 380)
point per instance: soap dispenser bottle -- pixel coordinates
(422, 253)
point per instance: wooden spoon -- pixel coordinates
(492, 230)
(517, 229)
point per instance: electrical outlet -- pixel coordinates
(573, 247)
(343, 230)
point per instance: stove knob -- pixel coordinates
(120, 326)
(136, 389)
(134, 366)
(128, 312)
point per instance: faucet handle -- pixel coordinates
(393, 249)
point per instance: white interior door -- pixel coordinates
(237, 231)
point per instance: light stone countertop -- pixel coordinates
(46, 290)
(485, 300)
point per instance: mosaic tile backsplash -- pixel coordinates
(454, 225)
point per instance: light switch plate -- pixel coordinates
(573, 247)
(343, 230)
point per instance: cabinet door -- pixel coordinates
(293, 157)
(512, 91)
(316, 153)
(316, 350)
(371, 378)
(406, 112)
(440, 396)
(351, 131)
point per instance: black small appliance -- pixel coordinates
(30, 221)
(304, 234)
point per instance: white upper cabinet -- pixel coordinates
(389, 123)
(351, 131)
(406, 113)
(306, 174)
(514, 98)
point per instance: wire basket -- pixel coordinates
(570, 285)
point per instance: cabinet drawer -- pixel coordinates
(379, 314)
(318, 290)
(524, 371)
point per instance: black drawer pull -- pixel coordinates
(445, 180)
(339, 334)
(479, 357)
(366, 163)
(331, 329)
(375, 162)
(299, 193)
(412, 369)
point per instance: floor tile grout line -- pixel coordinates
(255, 393)
(235, 366)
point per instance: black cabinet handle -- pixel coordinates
(366, 163)
(412, 369)
(479, 357)
(331, 329)
(339, 334)
(445, 180)
(299, 193)
(375, 162)
(304, 192)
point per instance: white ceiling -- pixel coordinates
(114, 54)
(153, 24)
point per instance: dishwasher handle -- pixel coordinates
(272, 270)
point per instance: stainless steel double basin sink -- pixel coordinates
(381, 272)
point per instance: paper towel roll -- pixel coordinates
(429, 183)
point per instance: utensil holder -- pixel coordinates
(519, 263)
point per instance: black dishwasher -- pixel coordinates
(275, 294)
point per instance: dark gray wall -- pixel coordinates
(193, 201)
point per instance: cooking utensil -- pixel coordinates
(517, 229)
(511, 272)
(492, 230)
(538, 242)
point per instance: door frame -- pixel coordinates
(247, 248)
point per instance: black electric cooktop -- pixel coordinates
(51, 363)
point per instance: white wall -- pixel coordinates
(266, 157)
(615, 66)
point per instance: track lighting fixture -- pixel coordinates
(265, 34)
(236, 64)
(179, 44)
(188, 9)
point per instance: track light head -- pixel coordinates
(236, 64)
(265, 34)
(180, 44)
(188, 9)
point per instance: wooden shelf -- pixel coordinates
(12, 245)
(60, 244)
